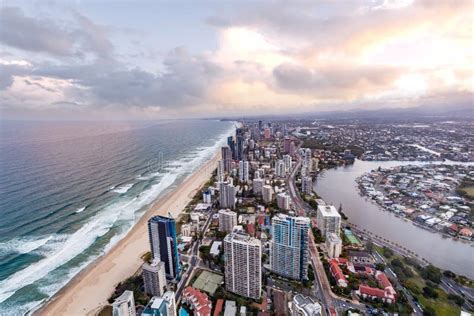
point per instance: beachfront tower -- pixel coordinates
(164, 244)
(243, 267)
(154, 277)
(289, 252)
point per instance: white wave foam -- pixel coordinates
(72, 245)
(123, 188)
(80, 209)
(24, 244)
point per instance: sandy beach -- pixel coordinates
(88, 291)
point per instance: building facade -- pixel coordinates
(289, 252)
(164, 244)
(333, 245)
(227, 220)
(243, 267)
(124, 305)
(154, 277)
(227, 195)
(267, 193)
(328, 219)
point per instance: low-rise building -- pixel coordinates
(304, 306)
(198, 301)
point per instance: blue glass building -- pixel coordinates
(164, 244)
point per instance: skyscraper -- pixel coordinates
(154, 277)
(280, 168)
(239, 139)
(244, 171)
(328, 219)
(289, 246)
(258, 186)
(283, 201)
(267, 193)
(231, 144)
(227, 157)
(307, 185)
(164, 245)
(226, 195)
(243, 268)
(124, 305)
(227, 220)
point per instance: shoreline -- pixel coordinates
(88, 291)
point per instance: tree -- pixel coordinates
(430, 292)
(387, 252)
(369, 246)
(432, 273)
(380, 266)
(449, 274)
(458, 300)
(429, 311)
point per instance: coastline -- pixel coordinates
(90, 289)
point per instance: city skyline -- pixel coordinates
(83, 60)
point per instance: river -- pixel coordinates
(338, 186)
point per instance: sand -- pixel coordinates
(88, 291)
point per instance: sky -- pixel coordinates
(141, 59)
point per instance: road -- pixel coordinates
(193, 260)
(322, 288)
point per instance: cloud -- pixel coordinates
(79, 38)
(330, 80)
(276, 58)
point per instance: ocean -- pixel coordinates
(70, 190)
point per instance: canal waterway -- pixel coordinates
(338, 186)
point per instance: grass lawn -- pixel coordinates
(440, 304)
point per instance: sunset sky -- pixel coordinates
(176, 59)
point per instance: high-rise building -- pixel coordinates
(289, 252)
(231, 145)
(154, 277)
(239, 139)
(124, 305)
(287, 159)
(286, 145)
(307, 185)
(260, 125)
(307, 161)
(207, 196)
(161, 306)
(333, 245)
(164, 244)
(258, 186)
(328, 220)
(280, 168)
(227, 220)
(267, 193)
(244, 171)
(243, 267)
(226, 153)
(292, 149)
(220, 170)
(283, 201)
(227, 195)
(267, 133)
